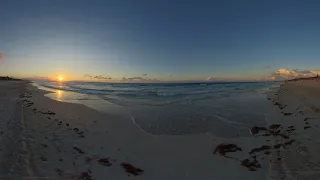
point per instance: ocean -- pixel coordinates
(225, 109)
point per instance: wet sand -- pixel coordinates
(42, 139)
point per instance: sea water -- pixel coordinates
(226, 109)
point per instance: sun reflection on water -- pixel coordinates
(59, 95)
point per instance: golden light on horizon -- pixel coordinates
(60, 78)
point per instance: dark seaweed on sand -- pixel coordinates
(49, 113)
(256, 129)
(222, 149)
(262, 148)
(252, 164)
(84, 176)
(274, 126)
(307, 127)
(130, 169)
(104, 162)
(287, 114)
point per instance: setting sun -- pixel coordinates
(60, 78)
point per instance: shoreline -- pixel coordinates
(52, 93)
(62, 142)
(189, 118)
(45, 107)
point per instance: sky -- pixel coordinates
(167, 40)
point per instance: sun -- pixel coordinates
(60, 78)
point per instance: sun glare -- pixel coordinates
(60, 78)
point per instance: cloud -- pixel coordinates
(139, 79)
(304, 72)
(100, 77)
(46, 78)
(271, 78)
(315, 72)
(285, 73)
(129, 79)
(293, 73)
(209, 78)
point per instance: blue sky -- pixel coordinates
(167, 40)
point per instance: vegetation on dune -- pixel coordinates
(8, 78)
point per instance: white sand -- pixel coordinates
(42, 147)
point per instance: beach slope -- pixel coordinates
(43, 138)
(299, 102)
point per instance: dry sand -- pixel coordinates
(46, 139)
(299, 102)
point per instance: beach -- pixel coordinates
(48, 139)
(299, 103)
(159, 90)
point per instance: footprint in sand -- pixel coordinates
(44, 145)
(78, 150)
